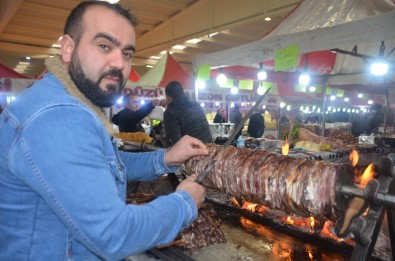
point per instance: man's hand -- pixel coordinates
(186, 148)
(194, 189)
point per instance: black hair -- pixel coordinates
(125, 98)
(376, 107)
(174, 89)
(74, 23)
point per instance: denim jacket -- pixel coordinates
(63, 184)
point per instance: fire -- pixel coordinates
(367, 175)
(354, 157)
(326, 231)
(312, 223)
(249, 206)
(289, 220)
(285, 147)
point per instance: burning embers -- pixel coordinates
(305, 225)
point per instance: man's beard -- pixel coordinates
(91, 89)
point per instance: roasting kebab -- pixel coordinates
(294, 185)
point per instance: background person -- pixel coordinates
(219, 116)
(369, 122)
(236, 118)
(62, 178)
(183, 116)
(129, 118)
(256, 125)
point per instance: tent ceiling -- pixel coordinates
(30, 27)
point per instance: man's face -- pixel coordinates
(133, 103)
(100, 64)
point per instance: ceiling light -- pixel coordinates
(193, 41)
(260, 90)
(110, 1)
(234, 90)
(164, 52)
(200, 84)
(149, 66)
(221, 78)
(28, 58)
(25, 63)
(268, 19)
(179, 47)
(370, 101)
(213, 34)
(304, 79)
(154, 57)
(360, 95)
(346, 99)
(379, 68)
(332, 98)
(217, 104)
(261, 73)
(312, 88)
(56, 45)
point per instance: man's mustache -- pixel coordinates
(113, 73)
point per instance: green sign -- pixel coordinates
(286, 58)
(246, 84)
(203, 72)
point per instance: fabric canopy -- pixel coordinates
(12, 81)
(167, 69)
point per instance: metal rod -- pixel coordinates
(376, 198)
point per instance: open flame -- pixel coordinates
(285, 147)
(312, 223)
(367, 175)
(354, 157)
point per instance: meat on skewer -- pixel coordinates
(294, 185)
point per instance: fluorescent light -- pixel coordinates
(154, 57)
(268, 19)
(179, 47)
(213, 34)
(164, 52)
(194, 40)
(149, 66)
(56, 45)
(28, 58)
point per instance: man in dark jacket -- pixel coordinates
(236, 117)
(183, 116)
(129, 118)
(368, 123)
(256, 126)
